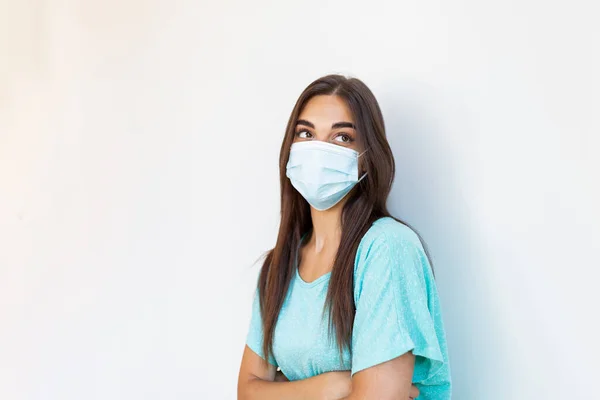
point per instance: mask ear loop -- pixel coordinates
(365, 174)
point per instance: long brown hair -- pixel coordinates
(366, 203)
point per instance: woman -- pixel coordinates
(346, 304)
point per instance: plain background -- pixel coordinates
(139, 145)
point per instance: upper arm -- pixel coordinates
(388, 380)
(394, 341)
(255, 335)
(254, 367)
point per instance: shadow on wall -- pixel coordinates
(431, 193)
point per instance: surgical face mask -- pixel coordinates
(322, 172)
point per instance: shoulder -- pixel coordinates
(388, 244)
(385, 233)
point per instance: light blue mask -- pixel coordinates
(322, 172)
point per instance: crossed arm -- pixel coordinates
(388, 380)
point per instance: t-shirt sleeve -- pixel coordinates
(254, 337)
(392, 314)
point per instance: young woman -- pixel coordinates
(346, 305)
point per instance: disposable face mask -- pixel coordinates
(322, 172)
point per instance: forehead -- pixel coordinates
(326, 109)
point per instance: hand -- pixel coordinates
(334, 385)
(280, 377)
(413, 393)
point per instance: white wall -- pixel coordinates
(138, 183)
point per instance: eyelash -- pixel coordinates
(350, 140)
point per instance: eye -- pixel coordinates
(344, 138)
(303, 134)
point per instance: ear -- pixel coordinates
(361, 166)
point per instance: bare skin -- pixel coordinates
(326, 118)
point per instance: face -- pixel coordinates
(327, 118)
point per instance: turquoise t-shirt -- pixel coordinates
(397, 310)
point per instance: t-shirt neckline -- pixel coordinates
(302, 282)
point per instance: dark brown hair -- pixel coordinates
(365, 204)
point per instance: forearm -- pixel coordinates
(376, 393)
(305, 389)
(380, 389)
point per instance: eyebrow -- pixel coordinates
(333, 126)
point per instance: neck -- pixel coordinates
(327, 226)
